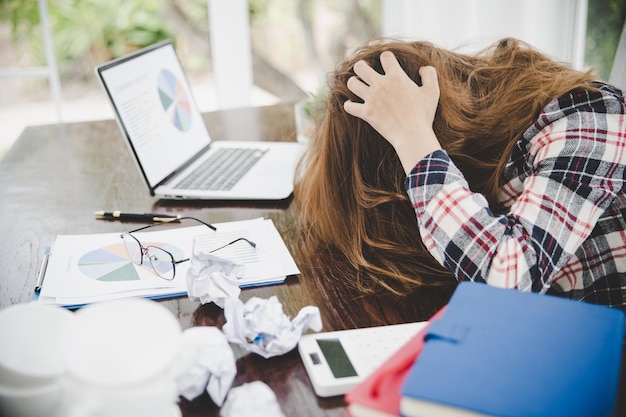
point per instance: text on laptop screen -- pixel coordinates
(151, 95)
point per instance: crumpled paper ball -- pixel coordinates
(261, 327)
(206, 362)
(248, 399)
(211, 278)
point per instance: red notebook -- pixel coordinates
(379, 394)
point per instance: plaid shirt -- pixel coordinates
(564, 231)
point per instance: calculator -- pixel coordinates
(336, 361)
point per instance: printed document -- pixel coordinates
(87, 268)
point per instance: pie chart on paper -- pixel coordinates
(175, 100)
(111, 263)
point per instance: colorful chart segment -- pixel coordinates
(175, 100)
(111, 263)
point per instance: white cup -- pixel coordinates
(119, 356)
(31, 364)
(153, 398)
(39, 401)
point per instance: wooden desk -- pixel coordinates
(56, 176)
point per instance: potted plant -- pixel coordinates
(308, 112)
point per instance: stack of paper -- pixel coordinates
(87, 268)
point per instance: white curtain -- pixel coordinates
(555, 27)
(231, 54)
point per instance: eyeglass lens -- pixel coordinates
(161, 261)
(133, 248)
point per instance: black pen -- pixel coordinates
(138, 217)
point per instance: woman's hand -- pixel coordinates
(400, 110)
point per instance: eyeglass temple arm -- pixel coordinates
(180, 262)
(251, 243)
(210, 226)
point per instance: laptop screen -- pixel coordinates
(155, 108)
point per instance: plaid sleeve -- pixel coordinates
(574, 167)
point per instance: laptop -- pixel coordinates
(171, 144)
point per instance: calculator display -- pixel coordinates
(336, 357)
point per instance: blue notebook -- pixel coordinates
(502, 352)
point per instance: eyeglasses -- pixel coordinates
(162, 261)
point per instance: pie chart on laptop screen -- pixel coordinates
(175, 100)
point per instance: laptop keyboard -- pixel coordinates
(222, 170)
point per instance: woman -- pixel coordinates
(432, 167)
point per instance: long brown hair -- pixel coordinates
(356, 220)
